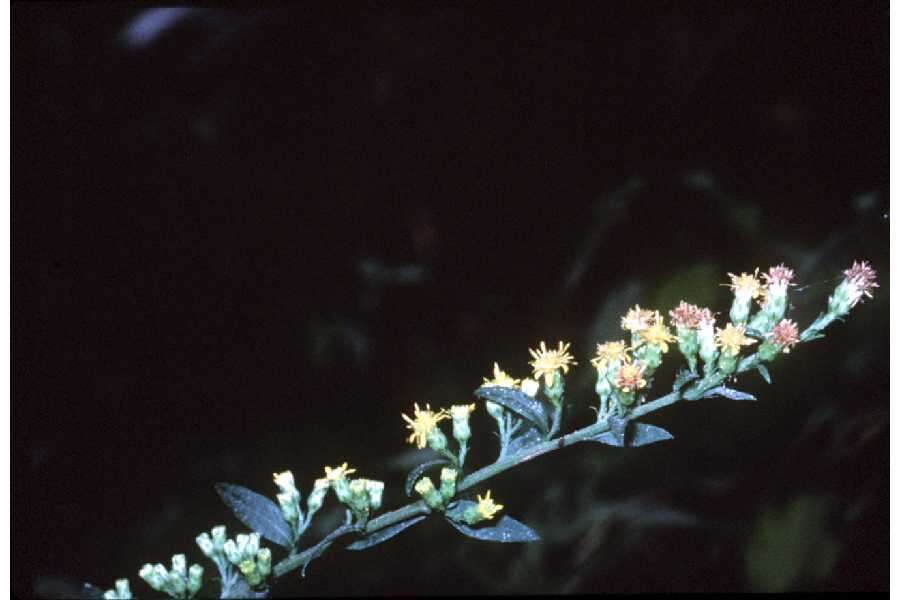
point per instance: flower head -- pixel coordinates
(486, 506)
(547, 362)
(461, 411)
(285, 480)
(658, 334)
(423, 423)
(745, 285)
(631, 376)
(705, 319)
(687, 316)
(609, 352)
(638, 318)
(501, 379)
(779, 276)
(732, 338)
(785, 334)
(862, 276)
(337, 473)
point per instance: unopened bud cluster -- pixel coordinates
(244, 552)
(435, 498)
(179, 582)
(122, 591)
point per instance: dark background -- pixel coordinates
(249, 241)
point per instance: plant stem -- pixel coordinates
(419, 508)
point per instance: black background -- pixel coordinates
(190, 219)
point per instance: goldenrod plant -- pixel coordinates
(529, 415)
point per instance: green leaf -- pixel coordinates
(506, 530)
(637, 434)
(517, 401)
(644, 434)
(529, 437)
(764, 372)
(727, 392)
(384, 535)
(257, 512)
(419, 470)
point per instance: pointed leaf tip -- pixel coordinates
(257, 512)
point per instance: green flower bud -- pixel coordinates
(708, 350)
(241, 541)
(176, 583)
(727, 363)
(494, 409)
(195, 579)
(123, 591)
(252, 545)
(154, 575)
(110, 595)
(231, 552)
(460, 415)
(342, 490)
(218, 537)
(768, 351)
(317, 496)
(554, 392)
(250, 572)
(359, 497)
(206, 544)
(688, 345)
(375, 489)
(179, 565)
(448, 483)
(289, 507)
(264, 561)
(433, 498)
(437, 441)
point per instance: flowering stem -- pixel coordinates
(712, 379)
(821, 322)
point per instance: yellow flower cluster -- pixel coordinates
(610, 352)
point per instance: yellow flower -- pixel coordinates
(547, 362)
(501, 379)
(639, 318)
(659, 335)
(732, 338)
(609, 352)
(337, 473)
(486, 507)
(746, 285)
(425, 421)
(630, 377)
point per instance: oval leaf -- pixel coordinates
(517, 401)
(257, 512)
(764, 372)
(507, 530)
(418, 471)
(729, 393)
(384, 535)
(529, 437)
(643, 434)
